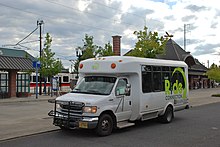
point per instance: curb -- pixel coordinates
(27, 134)
(26, 99)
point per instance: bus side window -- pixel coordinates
(146, 79)
(157, 83)
(65, 79)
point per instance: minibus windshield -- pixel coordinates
(99, 85)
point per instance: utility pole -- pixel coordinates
(40, 23)
(184, 39)
(208, 63)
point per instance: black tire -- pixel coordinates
(168, 116)
(63, 128)
(105, 125)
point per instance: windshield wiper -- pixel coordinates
(95, 92)
(87, 92)
(76, 90)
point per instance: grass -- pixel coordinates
(216, 95)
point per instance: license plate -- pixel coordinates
(83, 124)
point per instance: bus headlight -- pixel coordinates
(89, 109)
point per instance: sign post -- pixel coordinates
(54, 85)
(36, 65)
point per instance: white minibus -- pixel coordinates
(115, 91)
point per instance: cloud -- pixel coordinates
(136, 16)
(214, 25)
(69, 21)
(217, 13)
(206, 49)
(170, 17)
(189, 18)
(194, 8)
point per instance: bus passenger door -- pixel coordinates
(123, 99)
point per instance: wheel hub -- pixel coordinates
(105, 124)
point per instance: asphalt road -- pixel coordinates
(196, 127)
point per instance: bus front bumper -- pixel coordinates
(72, 122)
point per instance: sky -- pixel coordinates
(67, 21)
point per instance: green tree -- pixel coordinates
(49, 65)
(90, 50)
(148, 45)
(214, 73)
(106, 51)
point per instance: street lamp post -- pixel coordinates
(78, 55)
(71, 68)
(40, 23)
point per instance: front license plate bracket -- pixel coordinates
(83, 124)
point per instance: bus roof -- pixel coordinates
(123, 64)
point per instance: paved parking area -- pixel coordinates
(25, 116)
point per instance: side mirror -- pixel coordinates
(128, 90)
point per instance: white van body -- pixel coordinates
(113, 92)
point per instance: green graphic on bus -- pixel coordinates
(176, 90)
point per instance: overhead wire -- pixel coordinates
(76, 10)
(52, 18)
(26, 36)
(29, 41)
(4, 5)
(98, 3)
(103, 17)
(33, 13)
(80, 24)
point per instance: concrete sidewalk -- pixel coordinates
(31, 98)
(203, 96)
(26, 116)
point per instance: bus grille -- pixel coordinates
(70, 109)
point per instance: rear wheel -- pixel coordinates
(63, 128)
(105, 125)
(168, 115)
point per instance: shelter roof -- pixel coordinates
(11, 59)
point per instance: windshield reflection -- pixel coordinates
(99, 85)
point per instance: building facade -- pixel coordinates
(12, 63)
(197, 72)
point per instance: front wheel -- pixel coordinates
(168, 115)
(105, 125)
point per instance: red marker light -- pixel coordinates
(81, 66)
(113, 65)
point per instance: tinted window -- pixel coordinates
(146, 79)
(65, 79)
(153, 78)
